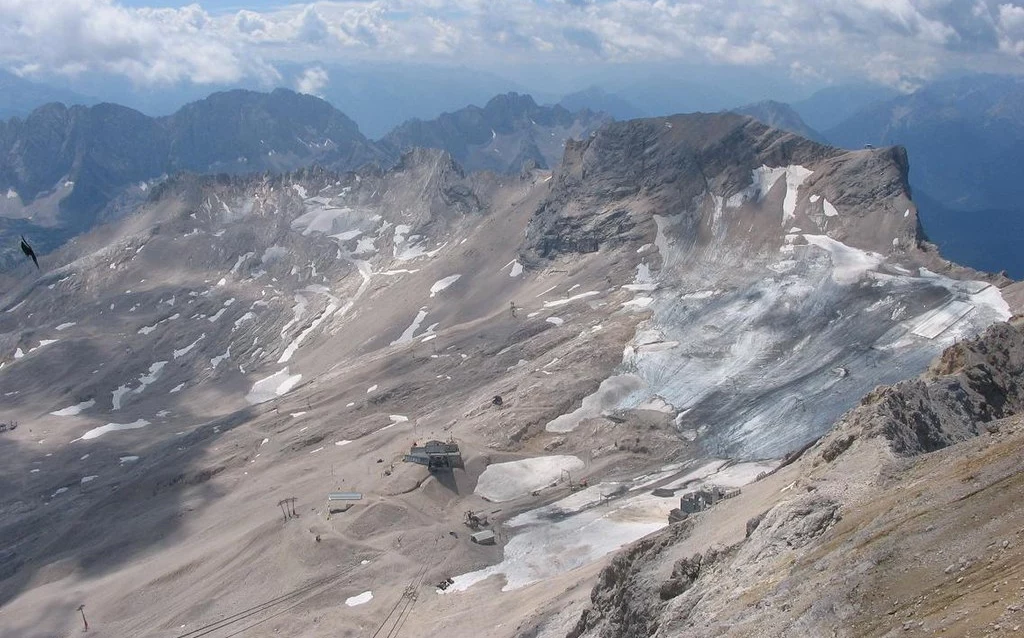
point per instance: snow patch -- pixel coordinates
(441, 284)
(848, 263)
(277, 384)
(608, 395)
(112, 427)
(182, 352)
(502, 482)
(562, 302)
(361, 599)
(407, 335)
(75, 409)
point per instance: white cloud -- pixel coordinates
(902, 40)
(312, 81)
(1011, 29)
(149, 46)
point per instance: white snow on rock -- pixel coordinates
(75, 409)
(177, 388)
(764, 178)
(441, 284)
(347, 235)
(398, 418)
(848, 263)
(408, 335)
(517, 269)
(555, 320)
(830, 210)
(814, 198)
(507, 481)
(145, 380)
(294, 345)
(608, 395)
(568, 300)
(323, 219)
(128, 459)
(639, 303)
(181, 353)
(117, 395)
(150, 377)
(277, 384)
(585, 526)
(372, 388)
(112, 427)
(406, 247)
(249, 316)
(65, 326)
(234, 269)
(19, 353)
(342, 442)
(216, 361)
(87, 479)
(361, 599)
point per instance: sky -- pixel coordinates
(162, 43)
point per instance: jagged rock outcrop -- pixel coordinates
(974, 382)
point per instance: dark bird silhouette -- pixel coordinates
(25, 248)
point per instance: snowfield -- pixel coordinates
(508, 481)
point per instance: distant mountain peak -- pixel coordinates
(781, 116)
(508, 132)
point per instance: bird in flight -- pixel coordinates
(25, 248)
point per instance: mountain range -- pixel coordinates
(963, 137)
(683, 305)
(62, 169)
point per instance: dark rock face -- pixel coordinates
(508, 131)
(629, 169)
(243, 131)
